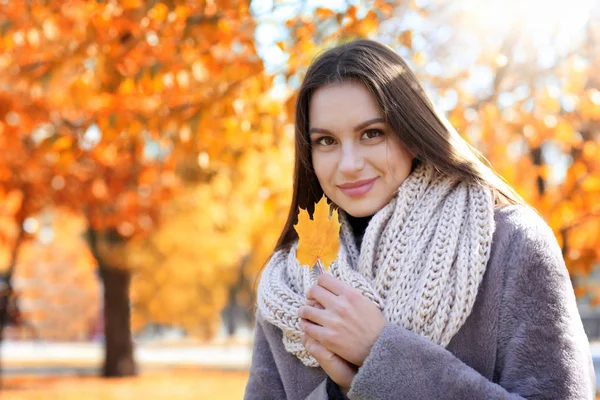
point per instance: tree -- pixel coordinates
(123, 93)
(24, 189)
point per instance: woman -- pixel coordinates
(446, 284)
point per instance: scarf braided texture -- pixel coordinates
(421, 261)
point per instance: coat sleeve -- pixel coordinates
(264, 380)
(542, 351)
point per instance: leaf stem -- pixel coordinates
(320, 266)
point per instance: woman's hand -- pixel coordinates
(347, 326)
(339, 370)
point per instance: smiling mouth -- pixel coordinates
(357, 189)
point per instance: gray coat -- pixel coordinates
(523, 339)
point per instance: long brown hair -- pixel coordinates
(406, 109)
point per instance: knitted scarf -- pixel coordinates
(421, 261)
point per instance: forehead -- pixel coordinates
(342, 105)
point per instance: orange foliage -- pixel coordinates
(109, 108)
(100, 94)
(214, 235)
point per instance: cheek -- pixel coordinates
(399, 163)
(321, 166)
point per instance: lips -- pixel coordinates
(358, 188)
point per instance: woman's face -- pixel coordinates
(357, 158)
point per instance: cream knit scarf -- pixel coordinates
(421, 261)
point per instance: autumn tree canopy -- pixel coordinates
(107, 107)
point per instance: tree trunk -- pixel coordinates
(536, 155)
(234, 311)
(118, 348)
(6, 290)
(229, 312)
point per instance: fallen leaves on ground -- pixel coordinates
(176, 384)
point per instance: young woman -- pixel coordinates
(446, 285)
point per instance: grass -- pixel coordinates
(198, 384)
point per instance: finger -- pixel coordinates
(314, 303)
(318, 351)
(332, 284)
(321, 295)
(311, 302)
(313, 330)
(313, 314)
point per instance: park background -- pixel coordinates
(146, 152)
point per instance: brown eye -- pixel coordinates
(324, 141)
(372, 133)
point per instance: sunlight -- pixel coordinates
(534, 17)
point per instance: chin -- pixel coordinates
(358, 211)
(361, 214)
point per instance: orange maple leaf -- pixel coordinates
(319, 237)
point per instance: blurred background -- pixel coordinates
(146, 152)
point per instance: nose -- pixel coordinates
(351, 160)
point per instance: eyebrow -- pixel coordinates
(358, 127)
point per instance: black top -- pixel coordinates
(333, 391)
(359, 225)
